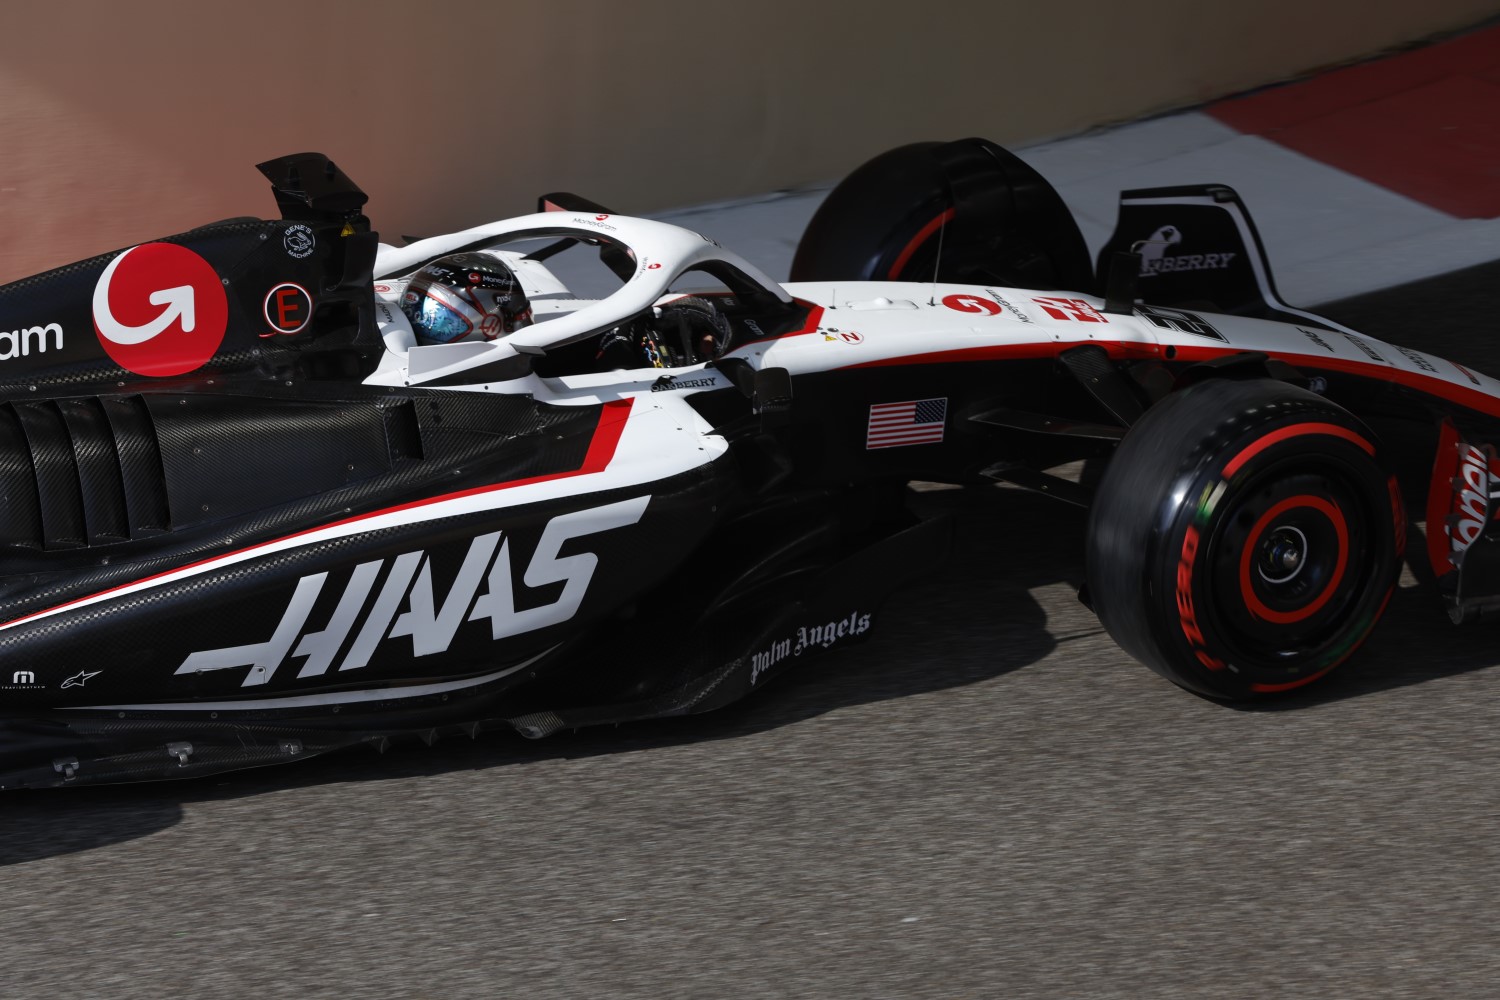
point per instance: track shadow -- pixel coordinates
(37, 825)
(974, 620)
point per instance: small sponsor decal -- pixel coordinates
(895, 425)
(1461, 498)
(23, 680)
(29, 340)
(1466, 373)
(843, 336)
(1313, 336)
(971, 304)
(288, 308)
(1015, 311)
(1070, 309)
(80, 679)
(1471, 495)
(597, 222)
(383, 288)
(1180, 320)
(1364, 347)
(160, 310)
(1417, 358)
(298, 241)
(807, 637)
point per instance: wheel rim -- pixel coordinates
(1290, 563)
(1293, 559)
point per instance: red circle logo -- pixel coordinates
(288, 308)
(160, 310)
(971, 304)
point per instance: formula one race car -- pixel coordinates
(272, 488)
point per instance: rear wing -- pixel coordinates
(1195, 247)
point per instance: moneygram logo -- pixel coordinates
(30, 340)
(160, 310)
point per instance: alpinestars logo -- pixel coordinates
(429, 624)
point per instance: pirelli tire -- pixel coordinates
(1245, 538)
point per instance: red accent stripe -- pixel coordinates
(613, 416)
(1011, 352)
(1471, 399)
(1276, 436)
(917, 240)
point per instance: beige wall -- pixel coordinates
(127, 120)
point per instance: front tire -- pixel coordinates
(1245, 539)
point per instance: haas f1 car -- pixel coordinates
(259, 503)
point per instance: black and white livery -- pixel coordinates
(252, 512)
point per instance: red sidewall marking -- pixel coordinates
(1294, 430)
(1187, 615)
(1290, 685)
(144, 271)
(1247, 587)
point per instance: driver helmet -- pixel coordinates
(465, 296)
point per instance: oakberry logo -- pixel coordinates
(160, 310)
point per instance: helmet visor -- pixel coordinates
(437, 320)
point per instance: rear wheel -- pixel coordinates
(1245, 538)
(994, 219)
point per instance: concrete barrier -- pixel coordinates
(121, 122)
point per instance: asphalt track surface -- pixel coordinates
(986, 799)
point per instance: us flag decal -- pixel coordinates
(919, 421)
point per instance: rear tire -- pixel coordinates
(996, 220)
(1245, 539)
